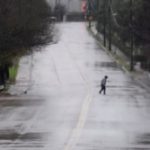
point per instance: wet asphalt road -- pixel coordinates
(62, 109)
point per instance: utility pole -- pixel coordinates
(97, 15)
(104, 23)
(68, 6)
(110, 24)
(89, 13)
(131, 37)
(97, 9)
(56, 2)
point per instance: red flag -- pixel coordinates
(83, 6)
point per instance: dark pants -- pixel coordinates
(103, 89)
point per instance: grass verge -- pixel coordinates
(13, 73)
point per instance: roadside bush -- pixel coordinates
(24, 24)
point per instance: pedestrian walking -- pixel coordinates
(103, 85)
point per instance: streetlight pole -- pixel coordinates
(131, 37)
(89, 13)
(56, 2)
(68, 6)
(97, 9)
(97, 15)
(104, 23)
(110, 24)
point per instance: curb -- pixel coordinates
(131, 74)
(107, 51)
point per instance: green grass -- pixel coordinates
(13, 73)
(121, 62)
(118, 58)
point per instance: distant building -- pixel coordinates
(74, 9)
(71, 5)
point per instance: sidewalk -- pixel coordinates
(23, 79)
(141, 76)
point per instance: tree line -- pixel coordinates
(126, 23)
(24, 24)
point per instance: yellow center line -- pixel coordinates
(80, 124)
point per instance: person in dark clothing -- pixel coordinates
(103, 85)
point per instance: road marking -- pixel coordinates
(81, 122)
(76, 132)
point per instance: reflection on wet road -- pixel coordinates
(56, 104)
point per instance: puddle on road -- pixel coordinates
(12, 135)
(125, 147)
(18, 103)
(108, 65)
(113, 65)
(143, 139)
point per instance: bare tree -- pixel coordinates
(24, 24)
